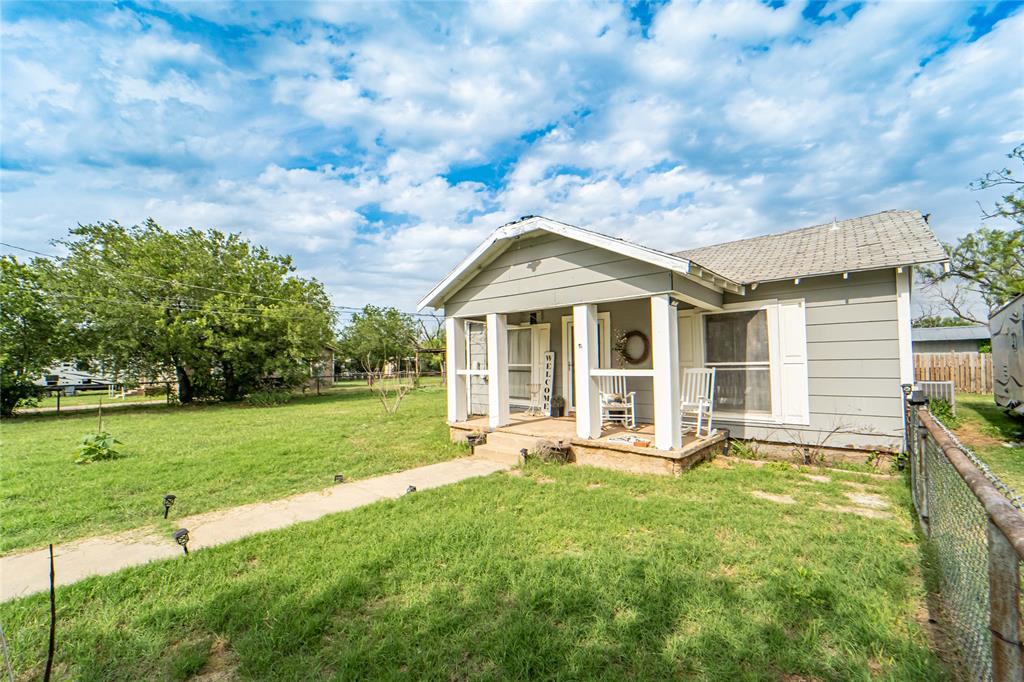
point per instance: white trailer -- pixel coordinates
(1007, 327)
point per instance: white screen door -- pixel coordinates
(604, 354)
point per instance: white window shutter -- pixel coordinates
(793, 362)
(688, 323)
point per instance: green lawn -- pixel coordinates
(94, 399)
(983, 426)
(561, 573)
(210, 456)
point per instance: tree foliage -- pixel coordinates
(221, 314)
(940, 321)
(377, 336)
(989, 262)
(32, 334)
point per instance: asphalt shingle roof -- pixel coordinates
(881, 240)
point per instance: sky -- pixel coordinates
(379, 143)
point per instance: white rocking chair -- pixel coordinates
(698, 397)
(617, 404)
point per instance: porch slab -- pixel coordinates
(525, 431)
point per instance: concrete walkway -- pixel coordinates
(22, 574)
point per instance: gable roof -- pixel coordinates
(974, 332)
(881, 240)
(502, 237)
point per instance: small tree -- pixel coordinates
(989, 262)
(378, 341)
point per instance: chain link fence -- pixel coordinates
(975, 533)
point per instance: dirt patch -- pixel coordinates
(593, 486)
(720, 463)
(817, 478)
(772, 497)
(543, 480)
(972, 436)
(858, 511)
(868, 500)
(220, 665)
(518, 473)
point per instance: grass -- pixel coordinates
(210, 456)
(558, 573)
(983, 426)
(94, 399)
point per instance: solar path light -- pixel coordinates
(168, 503)
(181, 537)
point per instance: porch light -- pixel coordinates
(410, 489)
(181, 537)
(168, 503)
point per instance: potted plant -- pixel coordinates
(557, 406)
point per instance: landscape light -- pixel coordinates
(522, 456)
(410, 489)
(181, 537)
(339, 478)
(168, 503)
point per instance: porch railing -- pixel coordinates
(974, 528)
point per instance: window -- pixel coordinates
(736, 345)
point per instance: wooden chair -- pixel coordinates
(617, 403)
(698, 397)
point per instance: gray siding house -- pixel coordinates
(809, 330)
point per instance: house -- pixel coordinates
(964, 339)
(809, 330)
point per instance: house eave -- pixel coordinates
(498, 240)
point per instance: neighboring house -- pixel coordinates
(322, 370)
(68, 374)
(949, 339)
(809, 330)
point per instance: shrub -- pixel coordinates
(942, 411)
(96, 447)
(269, 397)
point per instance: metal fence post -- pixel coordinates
(1004, 606)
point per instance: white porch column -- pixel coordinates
(668, 432)
(588, 408)
(455, 359)
(497, 370)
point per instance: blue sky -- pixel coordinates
(378, 143)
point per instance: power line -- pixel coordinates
(198, 286)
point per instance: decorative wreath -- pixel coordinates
(627, 346)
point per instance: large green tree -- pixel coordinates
(32, 333)
(376, 336)
(989, 262)
(221, 314)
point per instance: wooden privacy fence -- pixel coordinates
(969, 372)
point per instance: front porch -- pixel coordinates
(607, 450)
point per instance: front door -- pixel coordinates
(604, 354)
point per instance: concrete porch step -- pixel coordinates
(497, 453)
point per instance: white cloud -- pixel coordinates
(729, 120)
